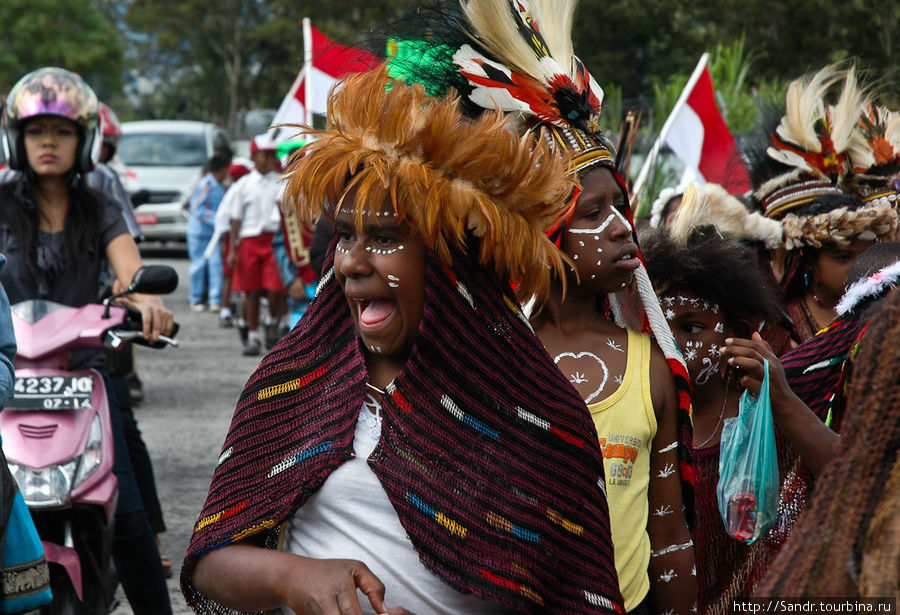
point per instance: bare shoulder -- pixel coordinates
(662, 383)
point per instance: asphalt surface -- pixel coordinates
(190, 394)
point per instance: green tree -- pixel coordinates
(73, 34)
(208, 61)
(211, 61)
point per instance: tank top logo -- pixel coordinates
(621, 452)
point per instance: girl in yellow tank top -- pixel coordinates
(627, 385)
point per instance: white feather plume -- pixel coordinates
(804, 104)
(710, 204)
(555, 18)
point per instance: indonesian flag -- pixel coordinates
(325, 63)
(698, 135)
(700, 138)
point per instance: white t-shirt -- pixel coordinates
(253, 199)
(350, 517)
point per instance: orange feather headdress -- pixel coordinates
(448, 176)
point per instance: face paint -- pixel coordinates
(612, 344)
(710, 368)
(382, 251)
(594, 231)
(393, 281)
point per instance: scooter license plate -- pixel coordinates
(52, 393)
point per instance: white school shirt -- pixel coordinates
(350, 517)
(253, 199)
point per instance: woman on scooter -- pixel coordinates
(57, 234)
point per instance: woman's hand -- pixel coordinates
(249, 578)
(329, 587)
(815, 442)
(156, 318)
(748, 355)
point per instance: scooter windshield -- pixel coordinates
(33, 310)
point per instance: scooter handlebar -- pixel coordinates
(116, 338)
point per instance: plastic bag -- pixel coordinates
(748, 468)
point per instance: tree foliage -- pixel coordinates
(73, 34)
(209, 61)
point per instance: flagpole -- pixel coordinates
(307, 68)
(650, 162)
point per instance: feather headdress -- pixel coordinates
(876, 157)
(445, 175)
(528, 68)
(812, 140)
(711, 205)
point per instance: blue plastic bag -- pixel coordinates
(748, 468)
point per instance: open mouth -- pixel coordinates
(374, 313)
(628, 257)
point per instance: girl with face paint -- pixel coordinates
(710, 291)
(624, 379)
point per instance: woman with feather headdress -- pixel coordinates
(800, 172)
(410, 439)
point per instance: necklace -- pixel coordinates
(718, 422)
(810, 318)
(375, 388)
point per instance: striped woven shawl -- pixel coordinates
(487, 453)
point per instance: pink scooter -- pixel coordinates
(58, 437)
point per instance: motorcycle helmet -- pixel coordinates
(53, 91)
(112, 128)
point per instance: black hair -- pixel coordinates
(20, 211)
(719, 269)
(217, 163)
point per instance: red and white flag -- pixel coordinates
(325, 63)
(697, 134)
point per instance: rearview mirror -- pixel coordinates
(154, 280)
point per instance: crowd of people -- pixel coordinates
(506, 394)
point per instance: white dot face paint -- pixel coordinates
(393, 281)
(383, 252)
(342, 249)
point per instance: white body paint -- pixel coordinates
(589, 355)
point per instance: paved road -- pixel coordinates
(191, 392)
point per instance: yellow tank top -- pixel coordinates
(626, 426)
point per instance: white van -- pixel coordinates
(165, 160)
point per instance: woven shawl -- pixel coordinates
(487, 453)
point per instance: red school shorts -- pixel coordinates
(256, 270)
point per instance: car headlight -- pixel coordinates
(92, 456)
(47, 487)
